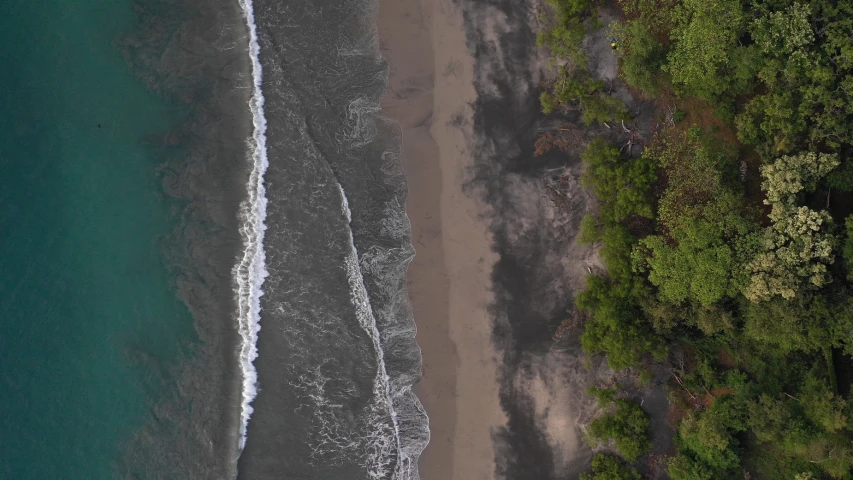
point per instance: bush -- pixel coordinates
(626, 425)
(642, 56)
(608, 467)
(589, 232)
(621, 186)
(599, 108)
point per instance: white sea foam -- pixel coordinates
(385, 450)
(250, 272)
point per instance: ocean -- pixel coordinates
(89, 324)
(204, 244)
(336, 350)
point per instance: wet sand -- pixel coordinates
(430, 94)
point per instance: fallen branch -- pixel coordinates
(692, 397)
(791, 396)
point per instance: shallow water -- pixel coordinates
(336, 351)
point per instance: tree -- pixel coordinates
(621, 186)
(785, 34)
(788, 176)
(847, 248)
(798, 324)
(823, 407)
(616, 252)
(808, 79)
(574, 88)
(589, 231)
(600, 107)
(706, 440)
(797, 247)
(796, 252)
(565, 36)
(699, 267)
(641, 56)
(685, 467)
(609, 467)
(770, 419)
(704, 35)
(626, 424)
(616, 327)
(695, 169)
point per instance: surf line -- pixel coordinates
(250, 272)
(364, 314)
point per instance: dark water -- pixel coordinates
(336, 351)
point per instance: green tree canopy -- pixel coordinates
(609, 467)
(622, 186)
(617, 327)
(788, 176)
(626, 424)
(704, 35)
(642, 56)
(699, 267)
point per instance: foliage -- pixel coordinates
(785, 178)
(737, 288)
(564, 36)
(609, 467)
(621, 185)
(806, 71)
(573, 88)
(698, 268)
(804, 431)
(617, 327)
(704, 34)
(797, 248)
(641, 56)
(823, 407)
(626, 424)
(847, 247)
(589, 231)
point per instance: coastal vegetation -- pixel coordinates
(624, 423)
(728, 241)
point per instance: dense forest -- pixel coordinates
(728, 241)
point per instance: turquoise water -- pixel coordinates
(90, 326)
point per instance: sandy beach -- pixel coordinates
(430, 91)
(497, 265)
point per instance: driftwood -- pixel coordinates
(575, 319)
(677, 379)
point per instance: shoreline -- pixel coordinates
(449, 280)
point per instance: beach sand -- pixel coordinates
(430, 94)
